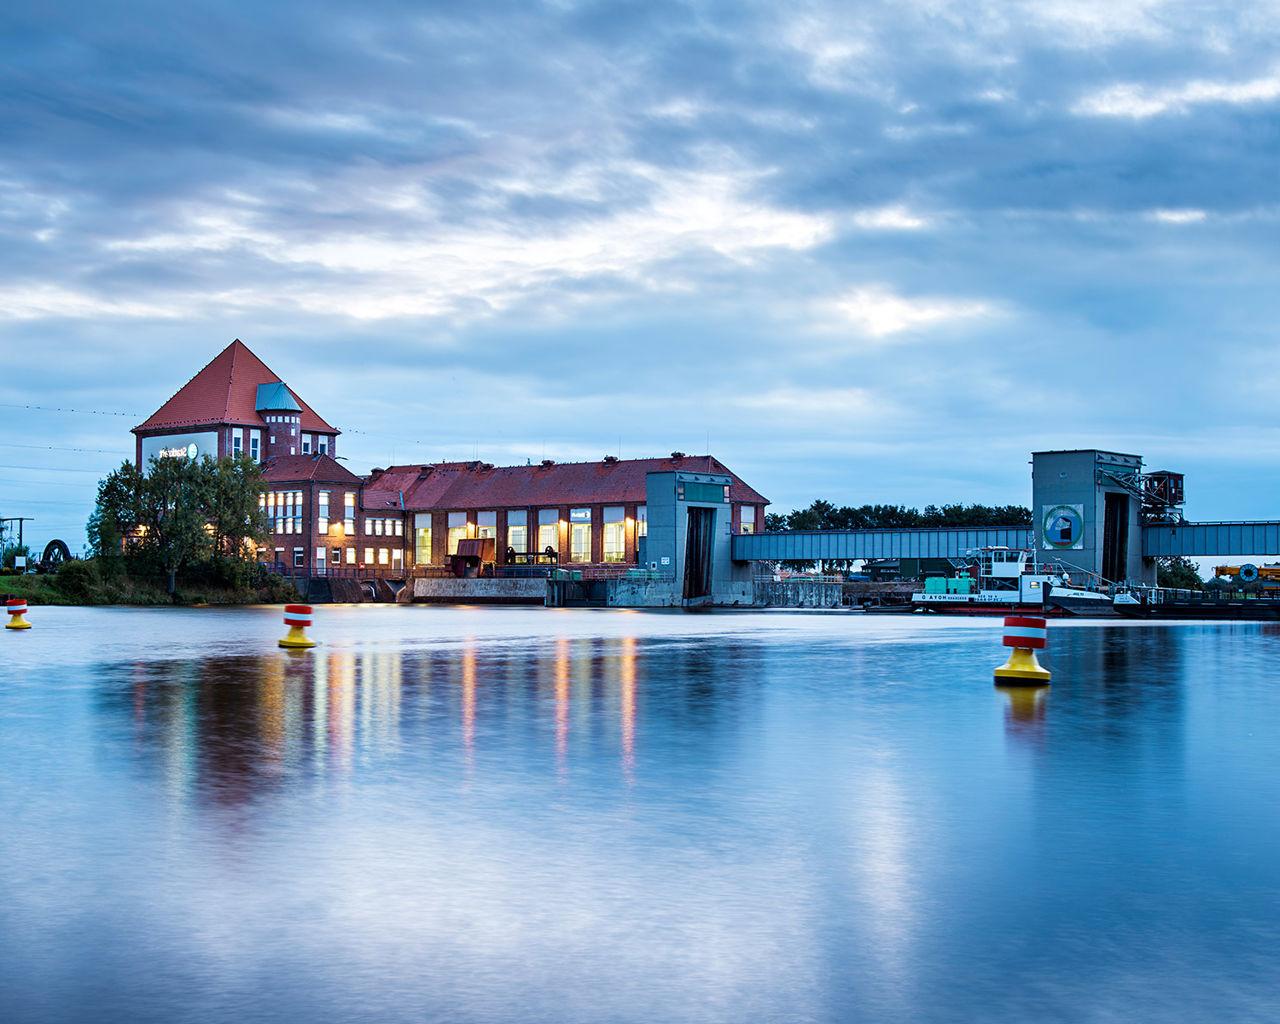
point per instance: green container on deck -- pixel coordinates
(960, 585)
(935, 585)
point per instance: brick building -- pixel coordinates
(579, 513)
(325, 518)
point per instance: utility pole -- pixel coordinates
(19, 520)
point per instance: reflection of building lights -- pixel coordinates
(627, 699)
(469, 696)
(562, 699)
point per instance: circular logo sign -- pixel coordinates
(1063, 526)
(191, 450)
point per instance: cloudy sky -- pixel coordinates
(866, 251)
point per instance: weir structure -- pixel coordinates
(1097, 511)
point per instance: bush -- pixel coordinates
(79, 580)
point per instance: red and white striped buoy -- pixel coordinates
(298, 618)
(16, 607)
(1026, 634)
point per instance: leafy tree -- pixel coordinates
(1178, 572)
(117, 511)
(236, 520)
(179, 515)
(10, 552)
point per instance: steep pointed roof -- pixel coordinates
(226, 391)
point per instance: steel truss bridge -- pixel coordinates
(1158, 540)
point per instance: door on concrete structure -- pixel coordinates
(697, 553)
(1115, 538)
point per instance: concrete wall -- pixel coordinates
(448, 590)
(731, 582)
(1076, 478)
(798, 593)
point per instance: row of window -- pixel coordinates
(580, 523)
(348, 513)
(392, 558)
(383, 527)
(389, 557)
(283, 509)
(255, 443)
(310, 442)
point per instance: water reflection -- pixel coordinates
(646, 819)
(228, 727)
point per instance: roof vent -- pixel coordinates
(548, 462)
(677, 455)
(611, 458)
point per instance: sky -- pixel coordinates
(870, 252)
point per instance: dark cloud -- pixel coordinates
(850, 243)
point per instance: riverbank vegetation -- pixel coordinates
(823, 515)
(185, 531)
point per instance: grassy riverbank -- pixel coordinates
(82, 583)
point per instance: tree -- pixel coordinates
(179, 515)
(10, 552)
(235, 515)
(1179, 573)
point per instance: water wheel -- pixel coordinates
(55, 554)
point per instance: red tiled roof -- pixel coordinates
(471, 485)
(291, 468)
(226, 391)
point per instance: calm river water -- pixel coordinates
(452, 814)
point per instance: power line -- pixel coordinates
(59, 448)
(83, 412)
(55, 469)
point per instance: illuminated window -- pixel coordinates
(580, 535)
(615, 533)
(397, 558)
(457, 531)
(322, 512)
(351, 556)
(368, 556)
(487, 524)
(548, 530)
(422, 538)
(518, 531)
(399, 527)
(368, 527)
(384, 556)
(747, 521)
(642, 520)
(349, 513)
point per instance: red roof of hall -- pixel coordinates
(226, 391)
(323, 468)
(476, 485)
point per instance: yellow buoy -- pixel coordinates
(1025, 635)
(17, 609)
(298, 618)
